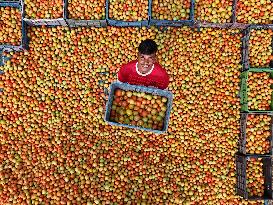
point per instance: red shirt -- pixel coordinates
(157, 78)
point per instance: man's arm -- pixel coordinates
(165, 79)
(122, 75)
(166, 82)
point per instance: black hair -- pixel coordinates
(271, 64)
(147, 47)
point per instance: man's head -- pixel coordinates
(146, 55)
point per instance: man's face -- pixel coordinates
(145, 62)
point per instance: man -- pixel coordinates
(145, 71)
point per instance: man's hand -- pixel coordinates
(106, 93)
(105, 97)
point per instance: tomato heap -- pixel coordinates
(57, 148)
(171, 10)
(255, 178)
(11, 23)
(139, 109)
(258, 134)
(259, 91)
(128, 10)
(214, 11)
(260, 47)
(86, 10)
(50, 9)
(254, 11)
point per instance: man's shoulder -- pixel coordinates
(160, 69)
(129, 65)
